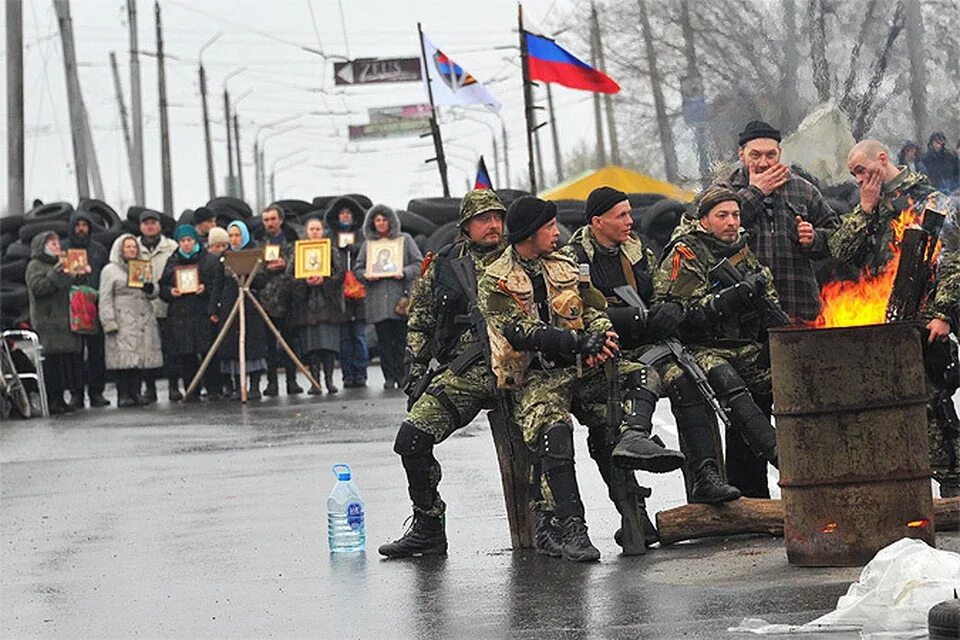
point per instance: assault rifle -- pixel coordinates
(725, 274)
(671, 347)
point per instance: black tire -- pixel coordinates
(644, 199)
(13, 270)
(50, 211)
(186, 217)
(107, 236)
(167, 224)
(29, 230)
(565, 234)
(225, 217)
(102, 213)
(294, 208)
(943, 621)
(439, 211)
(17, 250)
(444, 235)
(10, 224)
(662, 218)
(415, 224)
(573, 218)
(7, 239)
(507, 196)
(361, 200)
(421, 241)
(13, 298)
(238, 206)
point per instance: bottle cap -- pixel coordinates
(342, 471)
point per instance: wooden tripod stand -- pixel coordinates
(237, 271)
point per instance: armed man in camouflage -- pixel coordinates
(864, 241)
(723, 326)
(549, 335)
(447, 398)
(616, 258)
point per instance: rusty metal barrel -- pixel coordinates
(852, 436)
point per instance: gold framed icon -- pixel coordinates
(311, 258)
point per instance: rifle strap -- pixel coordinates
(740, 256)
(628, 272)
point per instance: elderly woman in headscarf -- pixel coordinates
(132, 335)
(48, 290)
(255, 351)
(190, 311)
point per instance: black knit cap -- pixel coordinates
(757, 129)
(526, 215)
(601, 200)
(712, 196)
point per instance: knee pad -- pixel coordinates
(411, 441)
(726, 381)
(646, 379)
(598, 444)
(556, 445)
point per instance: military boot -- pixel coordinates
(576, 543)
(76, 399)
(272, 389)
(709, 487)
(754, 427)
(548, 538)
(650, 534)
(424, 537)
(637, 449)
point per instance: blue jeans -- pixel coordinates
(353, 351)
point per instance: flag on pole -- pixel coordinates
(549, 62)
(483, 180)
(450, 83)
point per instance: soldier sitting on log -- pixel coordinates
(621, 268)
(865, 240)
(724, 325)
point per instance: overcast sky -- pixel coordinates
(284, 80)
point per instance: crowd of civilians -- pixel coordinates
(152, 329)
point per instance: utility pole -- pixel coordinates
(440, 158)
(16, 196)
(541, 178)
(258, 192)
(496, 158)
(607, 98)
(691, 87)
(136, 107)
(553, 134)
(164, 125)
(597, 117)
(211, 178)
(506, 151)
(226, 116)
(663, 123)
(236, 139)
(91, 155)
(123, 113)
(527, 102)
(918, 71)
(75, 105)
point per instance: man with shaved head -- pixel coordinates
(864, 241)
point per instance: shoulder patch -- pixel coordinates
(681, 252)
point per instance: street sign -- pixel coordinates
(390, 114)
(376, 71)
(389, 128)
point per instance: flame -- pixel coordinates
(854, 304)
(830, 528)
(918, 524)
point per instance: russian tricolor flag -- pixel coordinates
(549, 62)
(483, 180)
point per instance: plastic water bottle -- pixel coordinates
(345, 517)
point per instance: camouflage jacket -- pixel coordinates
(683, 277)
(865, 238)
(434, 326)
(506, 293)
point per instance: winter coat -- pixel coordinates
(97, 255)
(942, 169)
(48, 290)
(319, 304)
(353, 310)
(275, 295)
(158, 260)
(187, 329)
(256, 335)
(131, 332)
(383, 293)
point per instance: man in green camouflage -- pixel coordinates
(549, 336)
(448, 398)
(723, 326)
(864, 241)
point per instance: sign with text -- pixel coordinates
(391, 122)
(376, 71)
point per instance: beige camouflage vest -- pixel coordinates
(560, 274)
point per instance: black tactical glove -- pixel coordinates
(590, 344)
(148, 288)
(550, 341)
(738, 297)
(663, 321)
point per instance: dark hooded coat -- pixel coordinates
(97, 254)
(353, 310)
(48, 290)
(187, 329)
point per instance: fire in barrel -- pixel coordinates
(849, 397)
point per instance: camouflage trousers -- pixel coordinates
(745, 359)
(450, 403)
(944, 447)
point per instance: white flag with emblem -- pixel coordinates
(450, 83)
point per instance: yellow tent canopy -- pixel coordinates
(580, 186)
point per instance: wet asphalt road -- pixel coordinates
(209, 521)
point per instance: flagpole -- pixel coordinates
(527, 101)
(434, 127)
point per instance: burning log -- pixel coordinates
(753, 515)
(915, 270)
